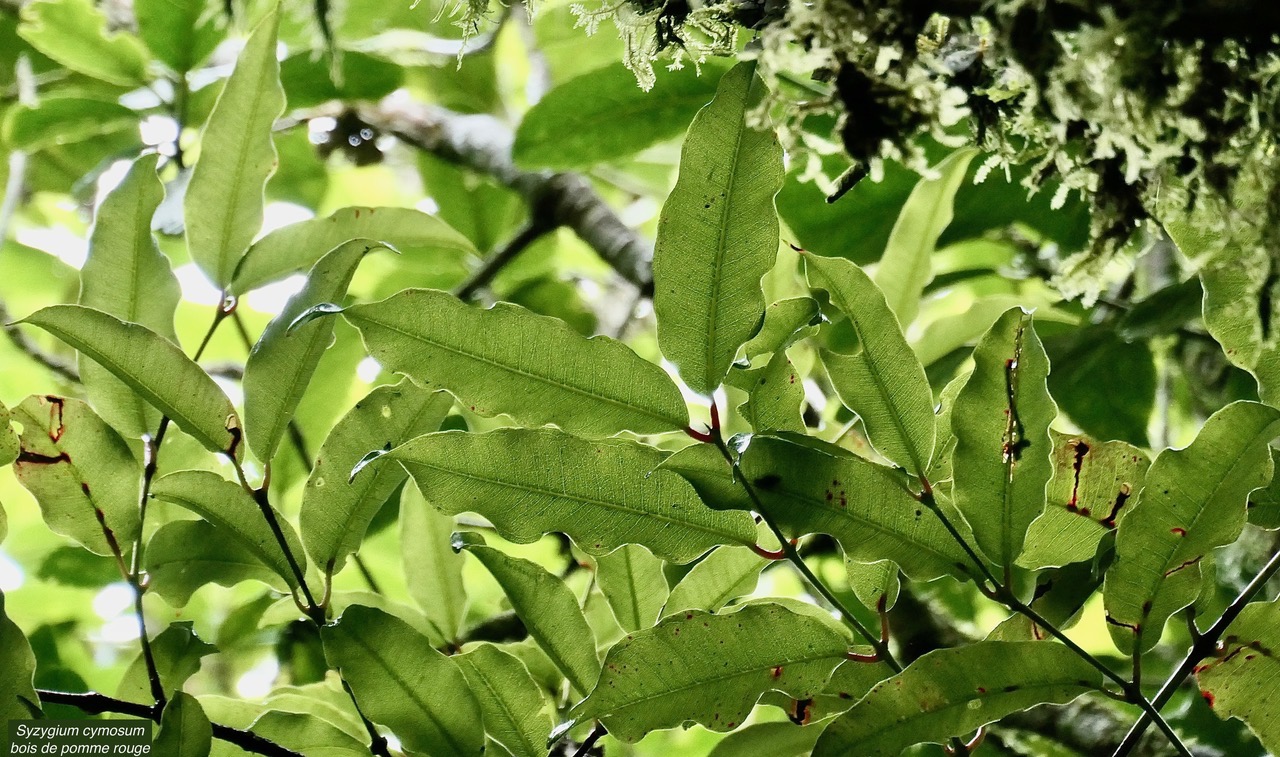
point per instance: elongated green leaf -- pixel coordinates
(907, 264)
(1092, 484)
(603, 494)
(10, 447)
(1264, 504)
(17, 670)
(431, 568)
(282, 362)
(866, 507)
(1194, 500)
(152, 366)
(576, 124)
(60, 120)
(775, 395)
(184, 729)
(710, 669)
(1239, 680)
(775, 739)
(718, 235)
(228, 506)
(184, 555)
(875, 584)
(298, 246)
(177, 651)
(74, 33)
(548, 608)
(310, 735)
(952, 692)
(883, 382)
(517, 711)
(785, 322)
(724, 575)
(336, 511)
(508, 360)
(632, 581)
(1002, 458)
(181, 33)
(224, 201)
(80, 471)
(127, 277)
(403, 683)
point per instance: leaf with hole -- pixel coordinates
(952, 692)
(1193, 501)
(1002, 458)
(717, 235)
(403, 683)
(508, 360)
(710, 669)
(336, 508)
(602, 494)
(883, 382)
(224, 202)
(152, 366)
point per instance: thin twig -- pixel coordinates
(93, 703)
(1204, 645)
(590, 741)
(527, 235)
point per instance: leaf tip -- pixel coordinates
(312, 313)
(365, 461)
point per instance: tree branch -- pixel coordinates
(94, 704)
(483, 144)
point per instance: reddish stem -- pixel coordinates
(715, 418)
(699, 435)
(769, 554)
(857, 657)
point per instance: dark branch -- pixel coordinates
(94, 704)
(528, 234)
(483, 143)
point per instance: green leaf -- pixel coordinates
(181, 33)
(1238, 681)
(1264, 504)
(632, 581)
(17, 670)
(1002, 459)
(907, 264)
(719, 578)
(602, 115)
(126, 276)
(82, 474)
(283, 361)
(775, 739)
(309, 81)
(718, 235)
(1093, 483)
(10, 446)
(517, 711)
(177, 651)
(775, 395)
(710, 669)
(883, 382)
(602, 494)
(431, 568)
(1194, 500)
(224, 201)
(60, 120)
(548, 608)
(785, 322)
(875, 584)
(184, 729)
(74, 33)
(866, 507)
(403, 683)
(952, 692)
(299, 245)
(228, 506)
(508, 360)
(309, 734)
(336, 511)
(152, 366)
(1106, 386)
(704, 467)
(184, 555)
